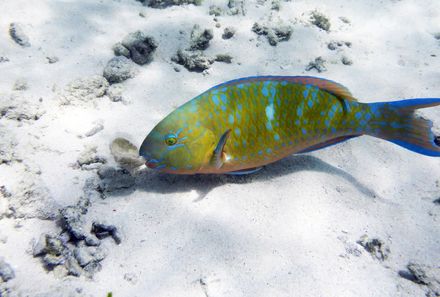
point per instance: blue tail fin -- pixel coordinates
(396, 122)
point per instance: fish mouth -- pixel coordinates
(154, 164)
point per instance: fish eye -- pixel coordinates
(170, 139)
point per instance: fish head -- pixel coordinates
(178, 145)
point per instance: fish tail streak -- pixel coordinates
(396, 122)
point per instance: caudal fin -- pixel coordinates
(396, 122)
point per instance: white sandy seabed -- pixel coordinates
(290, 230)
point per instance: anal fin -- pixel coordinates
(244, 171)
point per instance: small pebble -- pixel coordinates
(346, 61)
(52, 59)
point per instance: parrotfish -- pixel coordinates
(241, 125)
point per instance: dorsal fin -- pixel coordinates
(332, 87)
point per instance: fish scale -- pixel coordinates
(251, 122)
(264, 135)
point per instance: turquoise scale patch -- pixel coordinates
(224, 98)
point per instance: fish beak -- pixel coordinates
(153, 163)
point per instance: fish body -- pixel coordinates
(251, 122)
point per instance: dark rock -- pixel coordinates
(168, 3)
(375, 246)
(72, 222)
(102, 230)
(117, 236)
(118, 69)
(225, 58)
(278, 34)
(6, 271)
(228, 32)
(140, 46)
(317, 64)
(200, 38)
(437, 201)
(320, 20)
(92, 241)
(194, 61)
(17, 34)
(4, 59)
(50, 261)
(259, 29)
(332, 45)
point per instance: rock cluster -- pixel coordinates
(75, 251)
(137, 46)
(375, 246)
(274, 34)
(193, 61)
(318, 64)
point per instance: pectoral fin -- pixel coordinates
(218, 156)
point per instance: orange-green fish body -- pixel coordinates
(248, 123)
